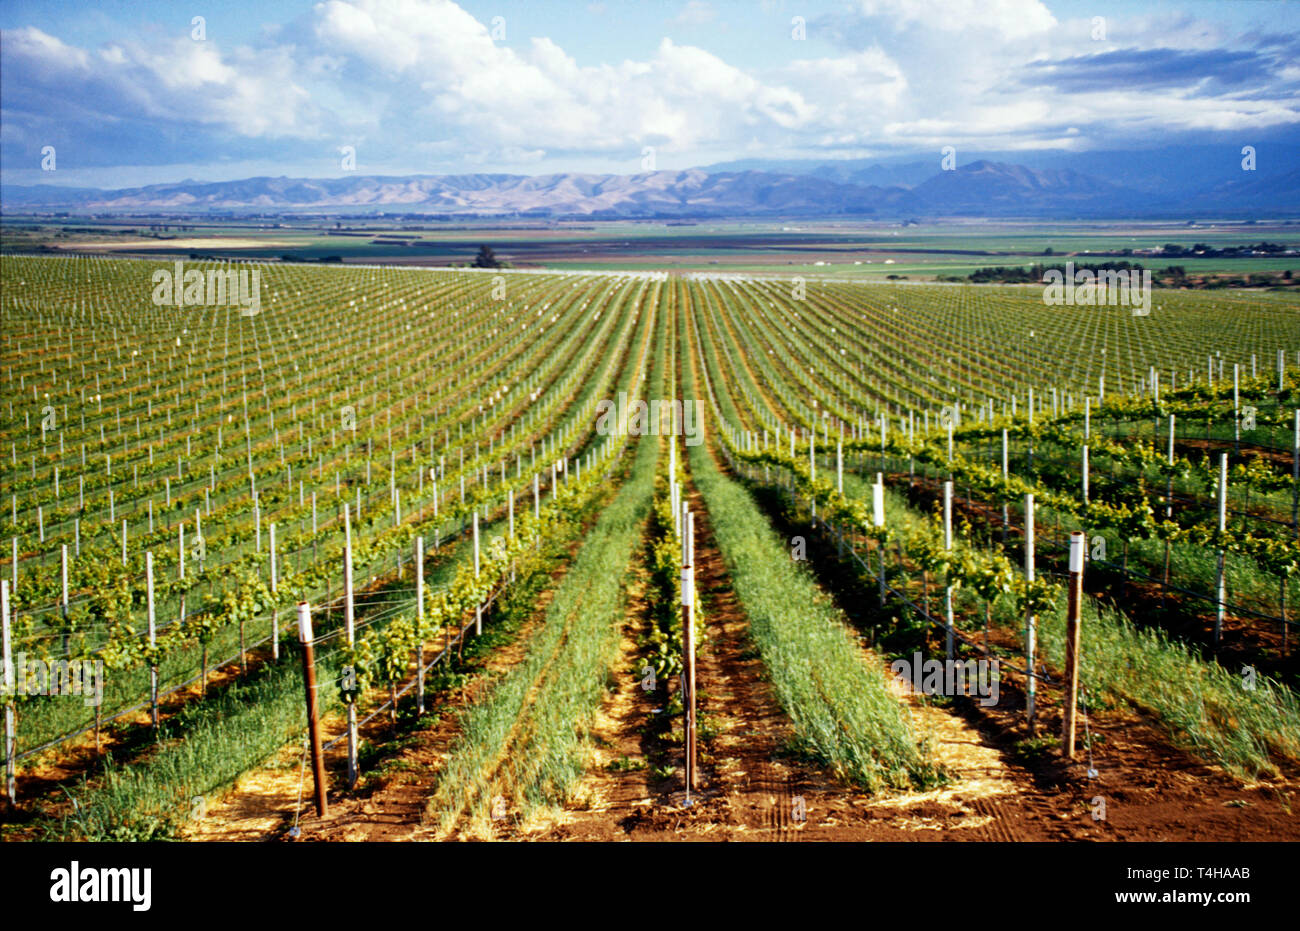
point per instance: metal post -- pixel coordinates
(180, 564)
(1295, 480)
(1031, 621)
(63, 596)
(1077, 540)
(1236, 409)
(419, 621)
(947, 590)
(1219, 589)
(878, 519)
(1006, 510)
(153, 636)
(7, 672)
(275, 610)
(349, 619)
(688, 635)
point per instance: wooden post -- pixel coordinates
(1031, 621)
(313, 724)
(7, 672)
(153, 636)
(1077, 542)
(688, 646)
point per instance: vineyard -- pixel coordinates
(507, 596)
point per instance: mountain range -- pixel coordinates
(1119, 188)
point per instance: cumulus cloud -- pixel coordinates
(1013, 19)
(415, 84)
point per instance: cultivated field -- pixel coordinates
(501, 598)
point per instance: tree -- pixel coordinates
(486, 258)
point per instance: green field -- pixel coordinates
(368, 410)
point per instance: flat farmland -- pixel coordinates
(510, 569)
(858, 248)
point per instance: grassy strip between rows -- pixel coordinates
(525, 746)
(208, 745)
(526, 742)
(843, 711)
(1243, 723)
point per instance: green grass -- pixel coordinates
(527, 742)
(1202, 706)
(207, 745)
(838, 699)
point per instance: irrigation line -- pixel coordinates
(136, 707)
(902, 596)
(939, 623)
(1052, 545)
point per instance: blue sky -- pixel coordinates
(127, 94)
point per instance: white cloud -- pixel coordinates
(414, 83)
(1013, 19)
(181, 81)
(695, 13)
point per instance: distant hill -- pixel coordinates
(980, 188)
(997, 188)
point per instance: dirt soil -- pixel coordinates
(753, 790)
(388, 803)
(1135, 786)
